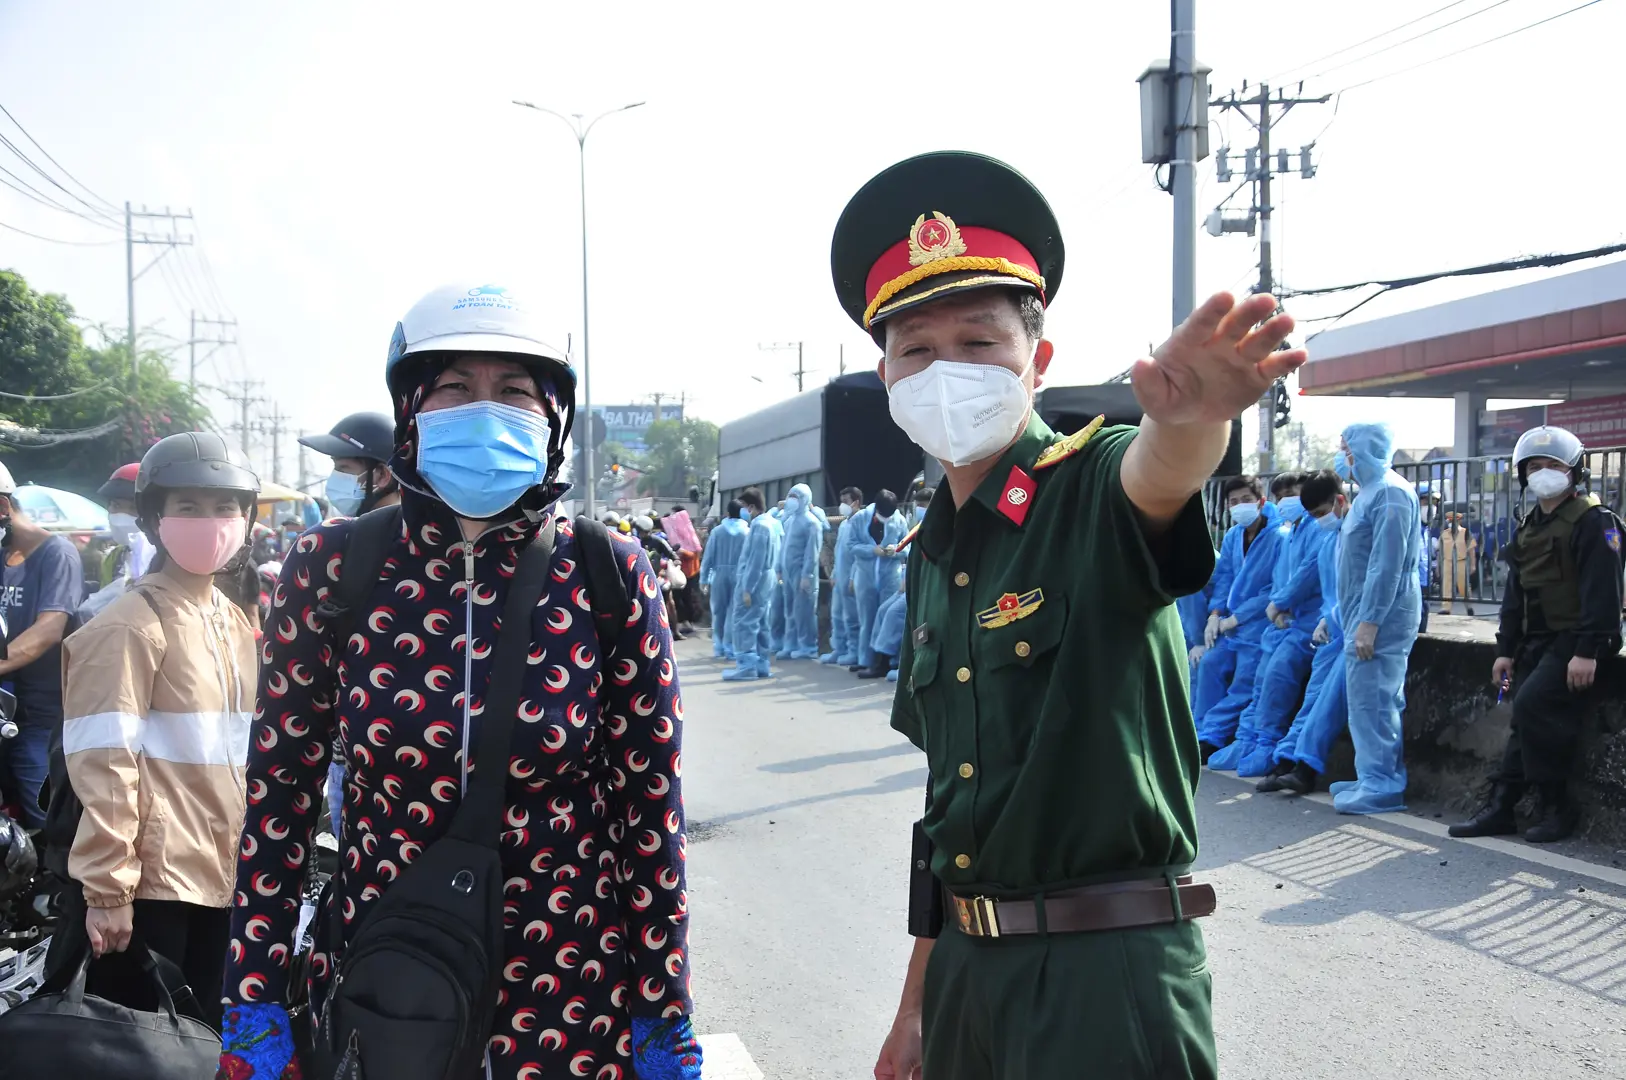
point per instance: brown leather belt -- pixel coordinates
(1117, 906)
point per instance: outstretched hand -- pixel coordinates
(1216, 363)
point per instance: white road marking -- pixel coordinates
(1527, 852)
(724, 1057)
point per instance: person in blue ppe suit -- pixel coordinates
(1296, 611)
(1243, 622)
(1193, 611)
(753, 590)
(799, 566)
(1216, 665)
(877, 565)
(718, 565)
(1379, 601)
(1301, 755)
(777, 606)
(887, 639)
(843, 604)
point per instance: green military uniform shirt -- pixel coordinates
(1060, 741)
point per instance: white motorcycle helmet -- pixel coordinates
(1549, 442)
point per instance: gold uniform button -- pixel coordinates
(964, 674)
(966, 770)
(963, 861)
(1023, 648)
(962, 579)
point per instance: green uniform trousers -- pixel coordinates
(1117, 1005)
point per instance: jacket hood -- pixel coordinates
(1373, 447)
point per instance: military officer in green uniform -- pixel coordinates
(1043, 671)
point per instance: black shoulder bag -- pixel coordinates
(416, 990)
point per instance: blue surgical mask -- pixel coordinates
(344, 492)
(745, 513)
(1330, 522)
(1340, 465)
(1291, 507)
(1245, 513)
(480, 458)
(793, 506)
(920, 514)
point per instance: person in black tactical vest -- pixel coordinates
(1560, 613)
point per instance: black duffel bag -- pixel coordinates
(418, 981)
(72, 1034)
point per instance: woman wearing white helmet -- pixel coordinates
(592, 976)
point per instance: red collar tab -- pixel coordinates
(1018, 496)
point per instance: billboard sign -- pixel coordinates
(627, 424)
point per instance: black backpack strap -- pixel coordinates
(606, 585)
(479, 818)
(366, 550)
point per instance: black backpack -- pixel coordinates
(417, 987)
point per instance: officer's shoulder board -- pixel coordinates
(1060, 451)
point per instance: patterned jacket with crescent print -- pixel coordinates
(593, 850)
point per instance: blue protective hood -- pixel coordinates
(1373, 447)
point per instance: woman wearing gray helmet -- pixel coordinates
(157, 694)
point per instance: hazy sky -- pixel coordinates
(342, 158)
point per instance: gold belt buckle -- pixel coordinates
(977, 916)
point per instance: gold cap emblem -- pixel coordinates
(934, 238)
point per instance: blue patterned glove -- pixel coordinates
(664, 1049)
(258, 1044)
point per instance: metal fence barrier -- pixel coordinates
(1471, 508)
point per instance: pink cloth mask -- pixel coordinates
(202, 545)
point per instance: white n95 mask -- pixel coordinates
(958, 412)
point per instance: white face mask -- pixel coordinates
(960, 413)
(846, 510)
(1550, 483)
(123, 527)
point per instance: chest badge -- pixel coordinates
(1018, 497)
(1011, 606)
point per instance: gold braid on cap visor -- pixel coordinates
(948, 266)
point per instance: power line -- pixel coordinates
(1471, 48)
(1365, 41)
(1407, 41)
(54, 161)
(56, 240)
(27, 190)
(48, 178)
(1526, 262)
(57, 397)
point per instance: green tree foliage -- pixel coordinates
(43, 354)
(678, 453)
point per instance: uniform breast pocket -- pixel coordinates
(1027, 643)
(923, 670)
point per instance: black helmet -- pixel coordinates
(18, 859)
(192, 459)
(367, 435)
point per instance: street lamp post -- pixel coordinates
(581, 131)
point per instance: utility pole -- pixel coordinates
(245, 398)
(169, 243)
(779, 346)
(841, 360)
(304, 464)
(193, 341)
(1183, 166)
(1261, 165)
(277, 424)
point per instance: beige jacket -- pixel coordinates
(157, 693)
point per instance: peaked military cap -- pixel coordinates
(937, 224)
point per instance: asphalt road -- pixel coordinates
(1343, 947)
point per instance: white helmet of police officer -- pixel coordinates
(1547, 442)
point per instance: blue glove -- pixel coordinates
(257, 1043)
(664, 1049)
